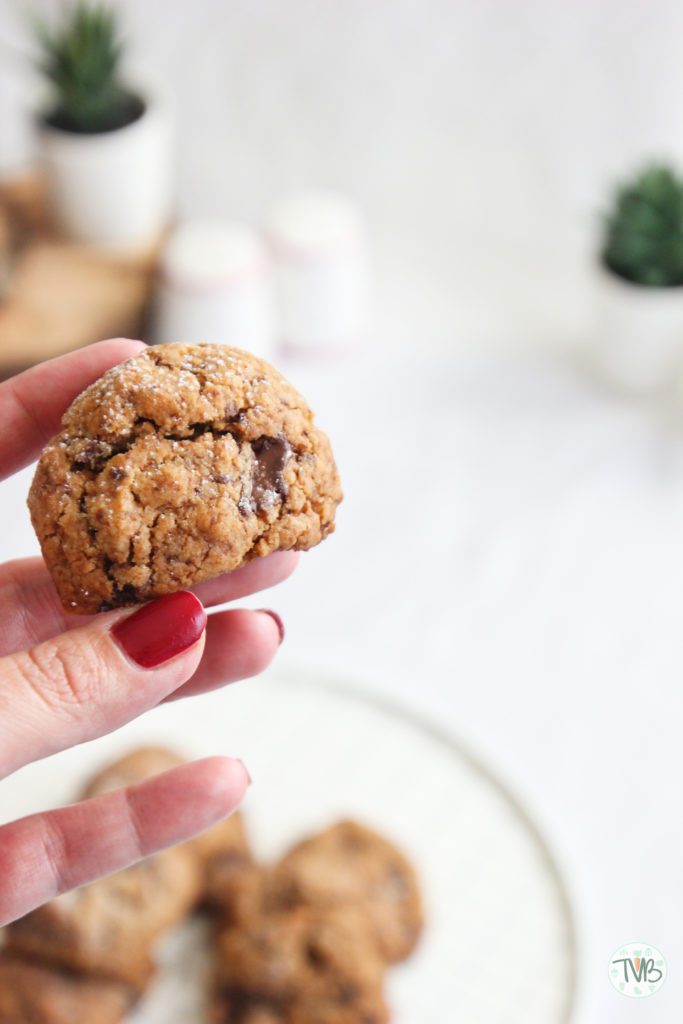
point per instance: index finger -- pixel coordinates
(33, 402)
(46, 854)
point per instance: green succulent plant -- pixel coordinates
(81, 60)
(644, 231)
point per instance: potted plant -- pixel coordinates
(106, 148)
(639, 345)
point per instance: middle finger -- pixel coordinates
(31, 612)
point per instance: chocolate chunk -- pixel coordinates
(92, 455)
(268, 483)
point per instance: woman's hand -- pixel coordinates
(65, 679)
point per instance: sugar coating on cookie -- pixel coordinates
(182, 463)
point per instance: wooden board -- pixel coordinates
(58, 295)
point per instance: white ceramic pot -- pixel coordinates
(638, 345)
(112, 189)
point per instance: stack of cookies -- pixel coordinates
(308, 940)
(88, 955)
(304, 941)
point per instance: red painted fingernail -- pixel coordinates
(276, 619)
(159, 631)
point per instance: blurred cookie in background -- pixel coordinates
(110, 927)
(351, 865)
(33, 994)
(305, 940)
(311, 960)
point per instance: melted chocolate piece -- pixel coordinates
(268, 483)
(92, 455)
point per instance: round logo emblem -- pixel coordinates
(637, 970)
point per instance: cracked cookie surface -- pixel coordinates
(175, 466)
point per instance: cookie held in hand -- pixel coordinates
(178, 465)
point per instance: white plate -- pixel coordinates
(499, 944)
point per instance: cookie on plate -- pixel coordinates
(303, 955)
(349, 865)
(367, 1009)
(237, 1009)
(223, 848)
(231, 881)
(32, 994)
(182, 463)
(234, 886)
(109, 928)
(227, 1008)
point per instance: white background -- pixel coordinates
(510, 554)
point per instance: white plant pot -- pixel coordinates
(638, 346)
(113, 189)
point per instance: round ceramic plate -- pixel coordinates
(499, 941)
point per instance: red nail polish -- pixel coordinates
(162, 629)
(276, 619)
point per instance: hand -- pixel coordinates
(65, 679)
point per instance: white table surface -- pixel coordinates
(509, 560)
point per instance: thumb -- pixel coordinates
(93, 679)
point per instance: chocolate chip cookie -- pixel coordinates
(183, 463)
(108, 929)
(32, 994)
(305, 955)
(227, 1008)
(234, 886)
(349, 865)
(366, 1009)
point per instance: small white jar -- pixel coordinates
(214, 285)
(319, 247)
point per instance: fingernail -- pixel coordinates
(276, 619)
(162, 629)
(246, 770)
